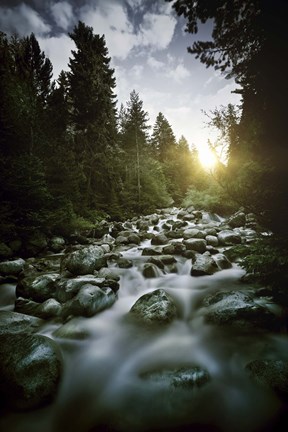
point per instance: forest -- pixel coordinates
(70, 158)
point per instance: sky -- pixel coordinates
(148, 49)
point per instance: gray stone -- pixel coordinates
(151, 270)
(30, 370)
(204, 265)
(51, 308)
(228, 237)
(124, 263)
(238, 308)
(272, 374)
(89, 301)
(156, 307)
(14, 322)
(76, 328)
(159, 239)
(84, 261)
(12, 268)
(68, 288)
(38, 288)
(212, 240)
(185, 378)
(194, 233)
(57, 244)
(198, 245)
(147, 251)
(237, 220)
(222, 261)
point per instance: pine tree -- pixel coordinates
(93, 114)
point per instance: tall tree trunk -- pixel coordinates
(138, 168)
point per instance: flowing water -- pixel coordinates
(103, 388)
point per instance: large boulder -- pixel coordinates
(237, 220)
(222, 261)
(84, 261)
(14, 322)
(159, 239)
(38, 288)
(30, 370)
(186, 378)
(57, 244)
(228, 237)
(151, 270)
(272, 374)
(67, 288)
(51, 308)
(156, 307)
(89, 301)
(194, 233)
(197, 245)
(238, 308)
(11, 268)
(204, 265)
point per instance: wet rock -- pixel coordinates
(89, 301)
(134, 239)
(238, 308)
(151, 270)
(175, 234)
(237, 220)
(121, 240)
(84, 261)
(169, 249)
(30, 370)
(212, 240)
(194, 233)
(142, 225)
(198, 245)
(185, 378)
(271, 374)
(124, 263)
(76, 328)
(160, 239)
(156, 307)
(163, 260)
(67, 288)
(204, 265)
(147, 251)
(228, 237)
(109, 273)
(12, 268)
(57, 244)
(38, 288)
(51, 308)
(189, 217)
(222, 261)
(14, 322)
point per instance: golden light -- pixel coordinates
(207, 158)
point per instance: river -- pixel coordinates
(105, 385)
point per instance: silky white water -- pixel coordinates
(103, 388)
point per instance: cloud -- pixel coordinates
(58, 50)
(157, 31)
(111, 19)
(22, 20)
(155, 64)
(179, 73)
(62, 13)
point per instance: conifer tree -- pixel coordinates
(93, 114)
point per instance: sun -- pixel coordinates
(207, 158)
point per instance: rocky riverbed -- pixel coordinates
(144, 325)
